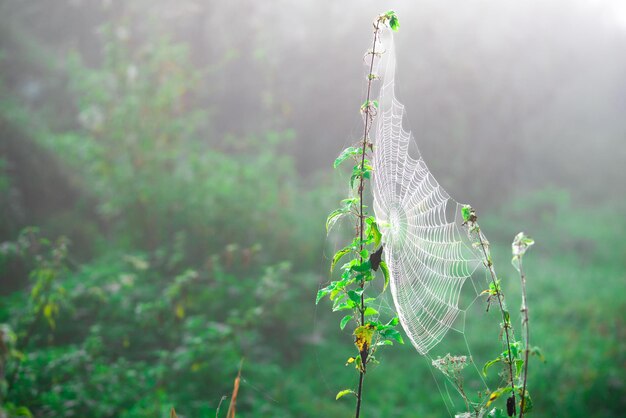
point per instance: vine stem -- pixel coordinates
(361, 216)
(504, 319)
(526, 331)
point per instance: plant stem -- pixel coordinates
(361, 216)
(526, 331)
(504, 319)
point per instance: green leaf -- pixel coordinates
(466, 211)
(355, 296)
(334, 216)
(507, 318)
(515, 349)
(374, 233)
(344, 321)
(344, 306)
(369, 311)
(338, 255)
(518, 367)
(393, 334)
(393, 322)
(489, 364)
(385, 270)
(497, 393)
(337, 292)
(352, 178)
(344, 392)
(528, 402)
(394, 24)
(323, 292)
(345, 154)
(362, 267)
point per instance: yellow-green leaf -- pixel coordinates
(497, 393)
(383, 267)
(363, 336)
(369, 311)
(344, 392)
(338, 255)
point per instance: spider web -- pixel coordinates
(429, 256)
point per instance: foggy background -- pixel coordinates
(518, 108)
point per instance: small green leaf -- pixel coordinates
(344, 306)
(345, 154)
(354, 296)
(528, 402)
(374, 233)
(385, 270)
(489, 364)
(334, 216)
(394, 24)
(320, 294)
(393, 334)
(352, 178)
(516, 349)
(369, 311)
(338, 255)
(323, 292)
(362, 267)
(518, 367)
(343, 393)
(507, 318)
(344, 321)
(466, 211)
(393, 322)
(497, 393)
(392, 20)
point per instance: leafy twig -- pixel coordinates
(520, 244)
(361, 218)
(471, 221)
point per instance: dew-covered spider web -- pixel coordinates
(437, 272)
(429, 255)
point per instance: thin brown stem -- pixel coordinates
(527, 332)
(366, 128)
(505, 322)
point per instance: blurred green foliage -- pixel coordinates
(205, 249)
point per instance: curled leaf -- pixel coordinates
(344, 392)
